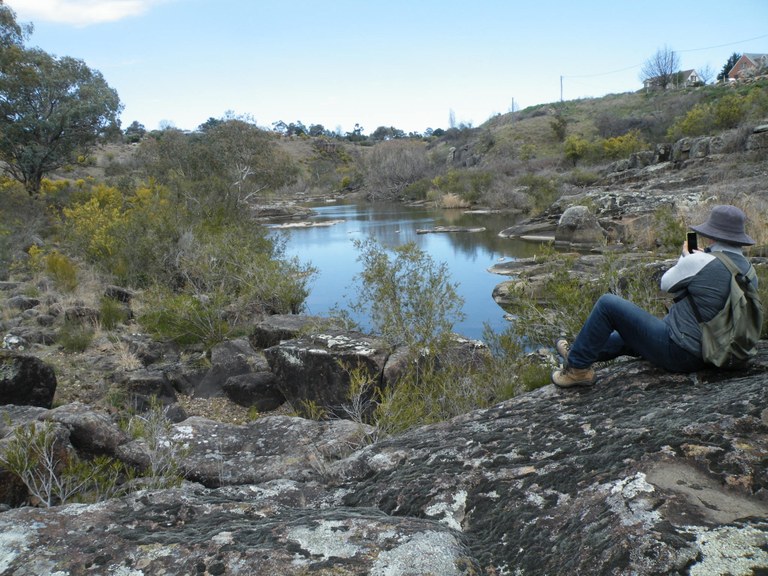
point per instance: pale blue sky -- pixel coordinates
(402, 63)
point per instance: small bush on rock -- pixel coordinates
(38, 454)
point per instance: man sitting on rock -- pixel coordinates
(616, 327)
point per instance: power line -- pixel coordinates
(724, 45)
(689, 50)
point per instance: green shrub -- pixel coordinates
(427, 394)
(668, 229)
(730, 111)
(697, 122)
(542, 190)
(469, 185)
(418, 190)
(575, 148)
(62, 270)
(164, 452)
(75, 337)
(112, 313)
(582, 178)
(624, 145)
(184, 318)
(409, 298)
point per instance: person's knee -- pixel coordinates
(609, 300)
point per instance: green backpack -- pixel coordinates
(729, 338)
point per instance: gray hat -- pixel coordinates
(725, 223)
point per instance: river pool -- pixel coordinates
(468, 255)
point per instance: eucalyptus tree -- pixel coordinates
(50, 108)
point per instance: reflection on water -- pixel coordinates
(467, 255)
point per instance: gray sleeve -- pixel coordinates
(686, 268)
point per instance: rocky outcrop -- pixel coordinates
(282, 527)
(26, 380)
(644, 473)
(270, 448)
(316, 370)
(579, 227)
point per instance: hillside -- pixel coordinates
(539, 151)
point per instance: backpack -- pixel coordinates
(729, 338)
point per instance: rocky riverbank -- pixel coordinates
(645, 473)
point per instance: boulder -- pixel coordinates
(315, 370)
(269, 448)
(757, 141)
(119, 293)
(26, 380)
(82, 315)
(149, 351)
(257, 389)
(145, 386)
(36, 334)
(229, 358)
(279, 327)
(21, 302)
(700, 148)
(90, 432)
(578, 226)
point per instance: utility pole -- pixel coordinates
(561, 87)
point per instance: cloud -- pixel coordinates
(79, 12)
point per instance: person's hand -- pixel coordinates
(685, 249)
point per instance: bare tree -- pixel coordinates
(659, 71)
(706, 74)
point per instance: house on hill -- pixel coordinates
(749, 65)
(682, 79)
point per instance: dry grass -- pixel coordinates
(452, 201)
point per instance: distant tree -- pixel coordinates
(293, 129)
(437, 132)
(280, 127)
(356, 135)
(705, 74)
(387, 133)
(209, 124)
(296, 129)
(50, 108)
(660, 69)
(559, 125)
(730, 63)
(576, 147)
(135, 132)
(316, 130)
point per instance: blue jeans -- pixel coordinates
(617, 327)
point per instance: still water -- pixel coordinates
(467, 255)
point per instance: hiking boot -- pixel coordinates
(569, 376)
(562, 347)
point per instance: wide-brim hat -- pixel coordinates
(725, 223)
